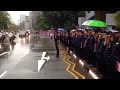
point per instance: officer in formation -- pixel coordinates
(99, 49)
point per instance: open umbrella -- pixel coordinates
(61, 29)
(86, 22)
(96, 23)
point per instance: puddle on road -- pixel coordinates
(18, 50)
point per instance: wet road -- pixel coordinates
(13, 52)
(22, 57)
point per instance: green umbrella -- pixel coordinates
(96, 23)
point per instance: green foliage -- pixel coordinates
(116, 18)
(41, 23)
(4, 20)
(58, 19)
(13, 27)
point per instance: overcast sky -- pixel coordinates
(15, 15)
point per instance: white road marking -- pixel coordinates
(3, 53)
(93, 75)
(40, 64)
(3, 74)
(42, 61)
(74, 55)
(80, 61)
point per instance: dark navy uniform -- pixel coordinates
(79, 46)
(67, 41)
(99, 52)
(115, 58)
(63, 39)
(107, 56)
(87, 48)
(91, 49)
(83, 48)
(71, 43)
(78, 41)
(56, 39)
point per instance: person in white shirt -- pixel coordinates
(10, 34)
(0, 34)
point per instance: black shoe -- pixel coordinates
(57, 56)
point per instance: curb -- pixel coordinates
(81, 62)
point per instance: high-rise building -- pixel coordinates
(22, 18)
(33, 18)
(22, 22)
(26, 22)
(30, 20)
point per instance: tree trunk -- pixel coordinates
(100, 15)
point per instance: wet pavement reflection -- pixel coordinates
(15, 52)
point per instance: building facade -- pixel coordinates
(81, 20)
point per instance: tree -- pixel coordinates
(62, 18)
(41, 23)
(116, 18)
(4, 20)
(13, 27)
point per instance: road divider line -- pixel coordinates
(73, 68)
(69, 67)
(3, 74)
(93, 75)
(63, 53)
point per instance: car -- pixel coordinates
(22, 33)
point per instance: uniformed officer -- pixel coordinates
(100, 48)
(70, 42)
(67, 41)
(56, 39)
(107, 56)
(64, 38)
(87, 44)
(92, 48)
(115, 58)
(79, 43)
(83, 44)
(98, 37)
(76, 43)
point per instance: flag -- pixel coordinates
(118, 66)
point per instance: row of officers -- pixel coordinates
(100, 50)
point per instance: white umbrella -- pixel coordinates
(113, 31)
(73, 30)
(86, 22)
